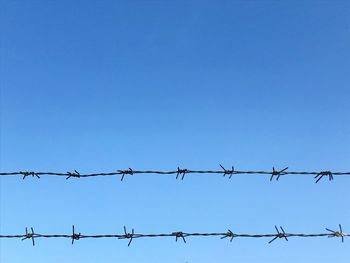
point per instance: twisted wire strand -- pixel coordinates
(183, 235)
(180, 173)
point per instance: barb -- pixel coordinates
(75, 236)
(182, 172)
(124, 172)
(29, 235)
(179, 235)
(277, 173)
(320, 175)
(128, 235)
(229, 234)
(75, 174)
(228, 172)
(25, 174)
(280, 233)
(337, 233)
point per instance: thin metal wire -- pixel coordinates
(280, 234)
(180, 173)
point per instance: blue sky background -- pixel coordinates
(106, 85)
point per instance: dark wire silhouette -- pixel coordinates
(180, 173)
(279, 234)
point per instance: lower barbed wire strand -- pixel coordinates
(183, 235)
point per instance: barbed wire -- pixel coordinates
(279, 234)
(181, 173)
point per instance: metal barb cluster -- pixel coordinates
(29, 235)
(25, 174)
(339, 233)
(280, 233)
(179, 235)
(320, 175)
(128, 235)
(277, 173)
(229, 234)
(124, 172)
(74, 174)
(228, 172)
(180, 173)
(75, 236)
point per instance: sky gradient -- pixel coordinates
(106, 85)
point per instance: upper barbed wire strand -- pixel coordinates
(318, 175)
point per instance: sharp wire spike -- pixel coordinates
(230, 234)
(181, 172)
(339, 233)
(127, 235)
(228, 172)
(279, 234)
(25, 174)
(322, 174)
(75, 236)
(277, 173)
(124, 172)
(29, 235)
(74, 174)
(179, 235)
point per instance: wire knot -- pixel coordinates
(230, 234)
(181, 172)
(124, 172)
(339, 233)
(277, 173)
(29, 236)
(25, 174)
(74, 174)
(228, 172)
(128, 235)
(279, 234)
(179, 235)
(75, 236)
(320, 175)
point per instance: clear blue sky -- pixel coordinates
(106, 85)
